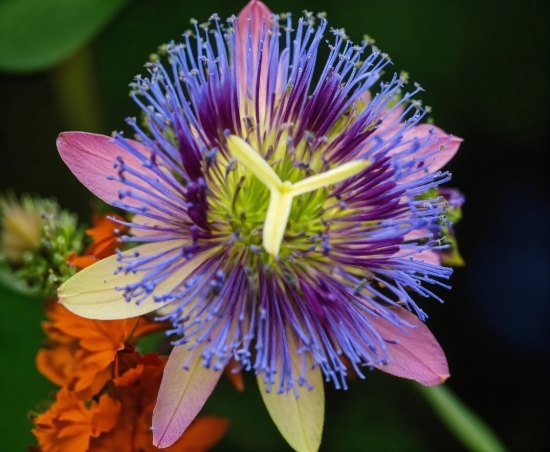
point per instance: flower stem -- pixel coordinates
(77, 93)
(468, 427)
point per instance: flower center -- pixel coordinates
(273, 215)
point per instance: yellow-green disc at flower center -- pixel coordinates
(282, 193)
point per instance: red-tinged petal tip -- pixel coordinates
(255, 10)
(417, 355)
(253, 15)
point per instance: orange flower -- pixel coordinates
(68, 425)
(120, 420)
(105, 234)
(137, 381)
(81, 352)
(87, 357)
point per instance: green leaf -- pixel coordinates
(468, 427)
(22, 389)
(35, 35)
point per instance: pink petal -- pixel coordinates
(91, 157)
(417, 355)
(417, 233)
(181, 396)
(444, 155)
(257, 12)
(250, 23)
(391, 123)
(429, 256)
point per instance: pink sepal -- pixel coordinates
(429, 256)
(250, 21)
(256, 12)
(181, 395)
(442, 146)
(416, 355)
(91, 158)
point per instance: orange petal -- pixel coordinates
(58, 364)
(80, 262)
(203, 433)
(104, 227)
(107, 411)
(234, 375)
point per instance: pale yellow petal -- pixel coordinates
(299, 419)
(276, 220)
(252, 161)
(92, 293)
(330, 177)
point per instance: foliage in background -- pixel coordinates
(36, 35)
(36, 236)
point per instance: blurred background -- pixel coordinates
(484, 66)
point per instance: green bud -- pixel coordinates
(36, 236)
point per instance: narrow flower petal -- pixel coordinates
(182, 394)
(416, 355)
(250, 25)
(91, 157)
(92, 292)
(299, 419)
(256, 12)
(429, 256)
(80, 262)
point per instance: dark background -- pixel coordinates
(484, 66)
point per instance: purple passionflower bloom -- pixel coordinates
(282, 217)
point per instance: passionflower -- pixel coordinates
(281, 216)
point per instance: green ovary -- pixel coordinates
(283, 201)
(239, 208)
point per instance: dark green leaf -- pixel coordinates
(36, 35)
(22, 389)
